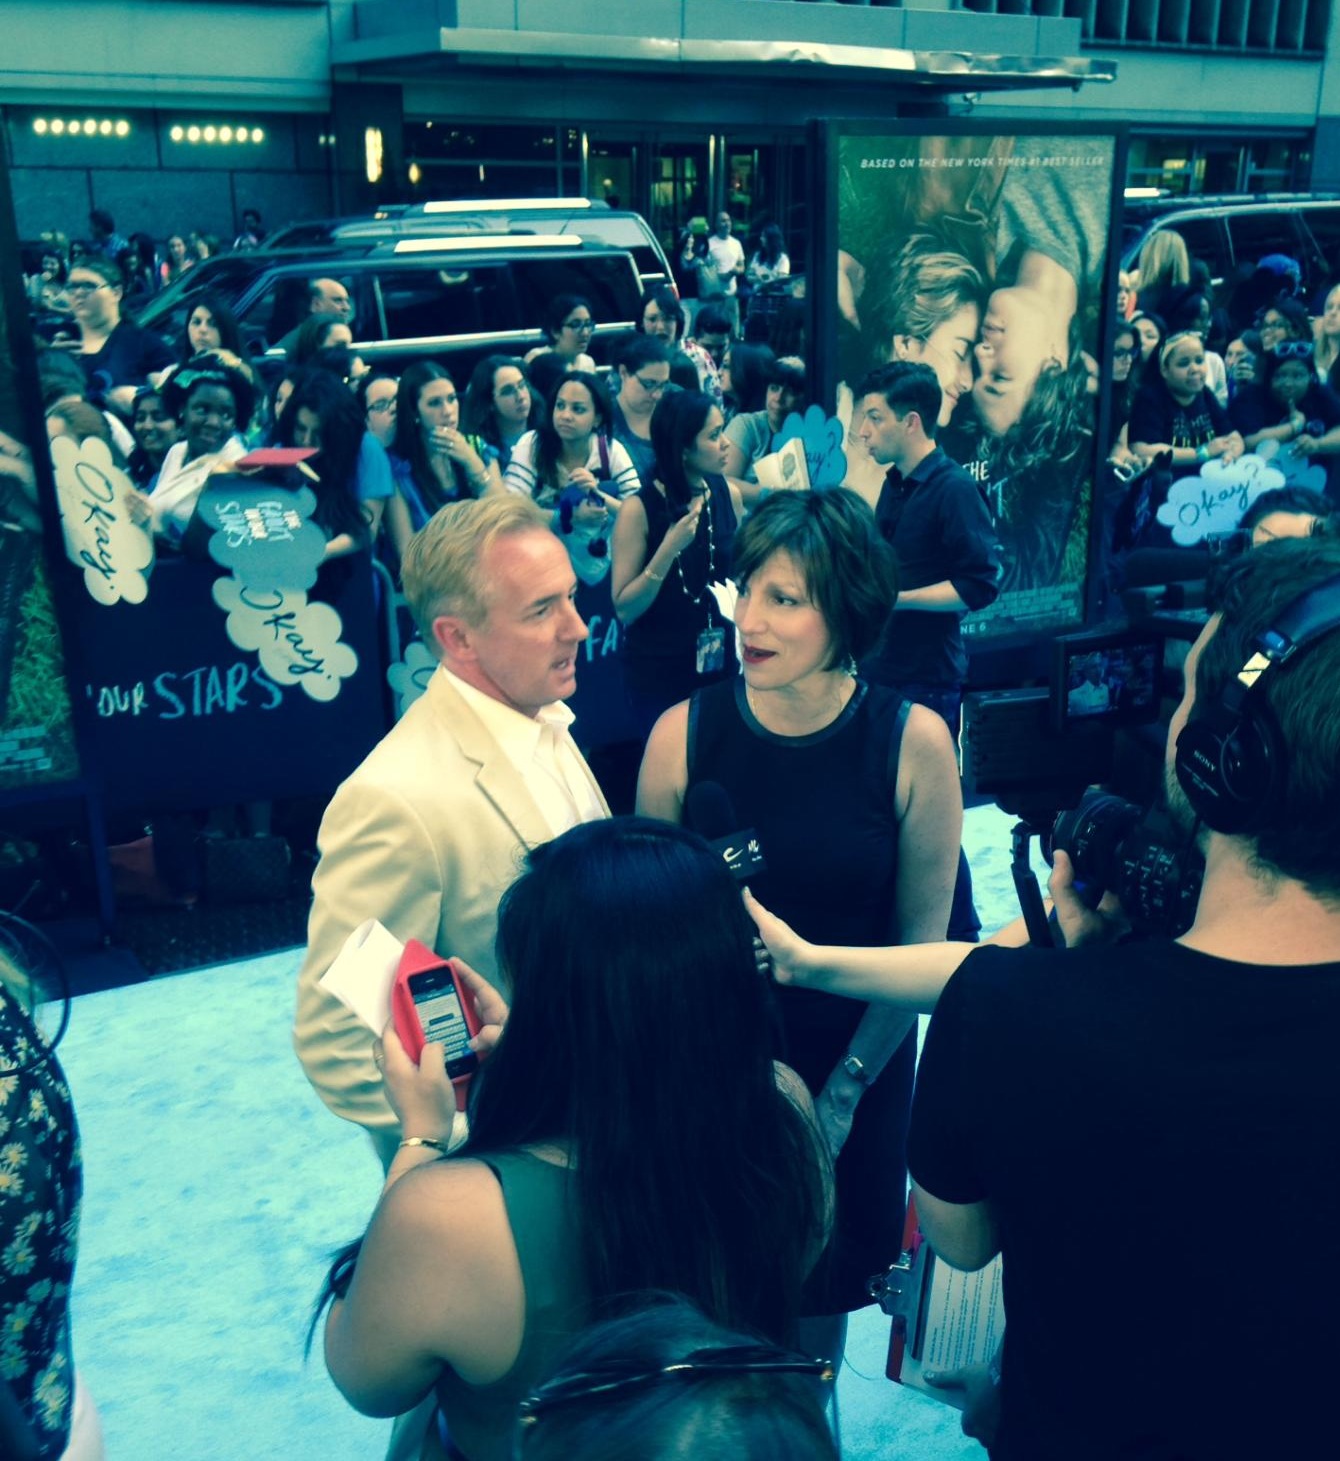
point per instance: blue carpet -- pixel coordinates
(216, 1187)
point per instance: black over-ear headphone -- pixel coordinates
(1231, 755)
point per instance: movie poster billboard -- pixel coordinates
(984, 254)
(37, 736)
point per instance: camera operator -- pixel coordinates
(1106, 1117)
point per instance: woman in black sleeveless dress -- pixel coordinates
(854, 796)
(671, 542)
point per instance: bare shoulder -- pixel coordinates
(664, 777)
(926, 737)
(927, 764)
(668, 743)
(458, 1202)
(446, 1224)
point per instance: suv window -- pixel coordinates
(620, 231)
(1324, 226)
(1205, 240)
(282, 305)
(608, 281)
(1255, 235)
(447, 301)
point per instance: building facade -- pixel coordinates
(178, 114)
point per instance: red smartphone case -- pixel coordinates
(419, 959)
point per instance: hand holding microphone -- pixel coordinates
(708, 810)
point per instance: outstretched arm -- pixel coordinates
(910, 977)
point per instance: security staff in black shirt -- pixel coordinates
(934, 517)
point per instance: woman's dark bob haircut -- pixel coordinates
(849, 570)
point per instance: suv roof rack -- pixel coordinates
(481, 242)
(503, 205)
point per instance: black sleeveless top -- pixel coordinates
(823, 808)
(660, 645)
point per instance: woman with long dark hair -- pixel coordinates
(320, 332)
(155, 431)
(210, 325)
(672, 541)
(588, 1178)
(500, 405)
(770, 261)
(321, 412)
(433, 461)
(573, 468)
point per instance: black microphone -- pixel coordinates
(709, 811)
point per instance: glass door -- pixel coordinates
(681, 187)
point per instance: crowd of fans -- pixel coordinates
(1199, 375)
(644, 471)
(393, 450)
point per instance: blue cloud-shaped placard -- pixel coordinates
(1298, 470)
(1215, 500)
(409, 677)
(265, 534)
(822, 436)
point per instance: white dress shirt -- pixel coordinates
(542, 750)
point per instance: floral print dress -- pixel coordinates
(41, 1182)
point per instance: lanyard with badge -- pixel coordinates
(710, 646)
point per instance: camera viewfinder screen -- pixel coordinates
(1114, 684)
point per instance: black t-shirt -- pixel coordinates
(1155, 1131)
(1156, 417)
(1254, 408)
(938, 525)
(129, 355)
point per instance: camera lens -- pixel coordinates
(1091, 835)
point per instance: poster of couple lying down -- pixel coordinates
(983, 254)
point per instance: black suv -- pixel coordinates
(455, 298)
(573, 218)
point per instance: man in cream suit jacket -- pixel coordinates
(427, 833)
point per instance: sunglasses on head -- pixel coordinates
(699, 1364)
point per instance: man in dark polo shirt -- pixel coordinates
(937, 523)
(934, 517)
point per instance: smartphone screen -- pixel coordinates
(443, 1019)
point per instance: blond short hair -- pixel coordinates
(442, 570)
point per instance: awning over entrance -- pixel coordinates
(417, 50)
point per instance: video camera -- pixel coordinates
(1040, 753)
